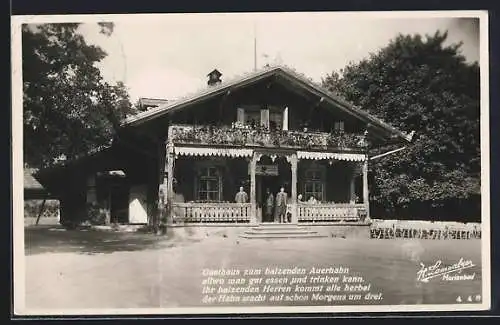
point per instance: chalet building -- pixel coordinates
(188, 158)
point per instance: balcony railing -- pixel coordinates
(330, 212)
(211, 212)
(234, 136)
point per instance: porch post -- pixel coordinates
(253, 209)
(170, 180)
(352, 186)
(294, 162)
(365, 187)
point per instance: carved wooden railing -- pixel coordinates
(211, 212)
(232, 136)
(385, 229)
(328, 212)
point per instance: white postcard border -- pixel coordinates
(18, 196)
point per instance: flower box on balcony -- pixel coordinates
(239, 136)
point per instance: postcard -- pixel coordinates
(251, 163)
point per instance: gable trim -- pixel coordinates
(342, 104)
(283, 72)
(189, 100)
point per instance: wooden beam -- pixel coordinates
(366, 193)
(314, 107)
(40, 212)
(170, 179)
(223, 102)
(253, 200)
(387, 153)
(344, 106)
(198, 99)
(293, 165)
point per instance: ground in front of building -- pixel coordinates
(95, 269)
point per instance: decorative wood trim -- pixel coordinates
(328, 212)
(366, 194)
(212, 212)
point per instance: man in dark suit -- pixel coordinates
(241, 196)
(281, 200)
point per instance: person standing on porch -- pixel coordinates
(312, 200)
(241, 196)
(269, 205)
(281, 199)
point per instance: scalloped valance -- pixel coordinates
(330, 155)
(224, 152)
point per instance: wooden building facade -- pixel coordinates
(268, 129)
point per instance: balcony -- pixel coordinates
(247, 137)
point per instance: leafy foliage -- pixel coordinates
(264, 137)
(69, 109)
(419, 83)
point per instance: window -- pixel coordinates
(208, 184)
(339, 126)
(252, 117)
(259, 116)
(91, 190)
(314, 184)
(276, 121)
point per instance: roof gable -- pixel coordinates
(30, 182)
(286, 73)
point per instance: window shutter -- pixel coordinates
(240, 116)
(264, 117)
(285, 119)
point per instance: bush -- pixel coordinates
(96, 214)
(32, 208)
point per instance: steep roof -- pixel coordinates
(289, 74)
(33, 189)
(148, 102)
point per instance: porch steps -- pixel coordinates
(279, 230)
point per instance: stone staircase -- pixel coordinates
(280, 230)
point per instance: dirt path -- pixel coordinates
(162, 275)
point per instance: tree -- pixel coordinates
(69, 110)
(418, 83)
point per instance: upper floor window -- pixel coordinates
(339, 126)
(276, 120)
(268, 117)
(208, 184)
(252, 117)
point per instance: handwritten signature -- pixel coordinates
(435, 270)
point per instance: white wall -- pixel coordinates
(138, 212)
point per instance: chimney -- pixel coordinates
(214, 78)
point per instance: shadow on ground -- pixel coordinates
(56, 239)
